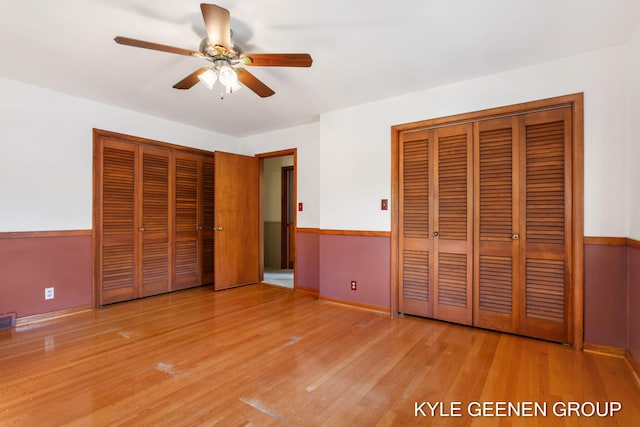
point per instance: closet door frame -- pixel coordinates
(575, 102)
(100, 135)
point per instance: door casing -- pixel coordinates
(576, 264)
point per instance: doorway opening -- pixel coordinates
(278, 223)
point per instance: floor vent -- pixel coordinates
(7, 320)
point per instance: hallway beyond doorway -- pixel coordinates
(279, 277)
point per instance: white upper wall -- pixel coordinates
(344, 161)
(355, 144)
(46, 153)
(306, 139)
(634, 136)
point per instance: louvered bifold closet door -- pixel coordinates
(496, 211)
(208, 220)
(187, 220)
(155, 265)
(415, 241)
(453, 224)
(546, 206)
(117, 225)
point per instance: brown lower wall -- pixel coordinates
(326, 261)
(633, 343)
(364, 257)
(612, 293)
(605, 295)
(308, 259)
(31, 262)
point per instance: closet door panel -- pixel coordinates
(453, 220)
(496, 262)
(546, 206)
(415, 195)
(186, 223)
(155, 265)
(119, 234)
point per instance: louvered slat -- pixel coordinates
(155, 192)
(117, 267)
(415, 186)
(495, 284)
(545, 183)
(186, 204)
(208, 189)
(208, 244)
(453, 187)
(496, 189)
(118, 192)
(155, 263)
(452, 279)
(186, 259)
(545, 290)
(415, 275)
(208, 263)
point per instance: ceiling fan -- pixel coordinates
(225, 61)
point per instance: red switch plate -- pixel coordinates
(384, 204)
(354, 285)
(300, 207)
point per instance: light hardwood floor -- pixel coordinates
(266, 355)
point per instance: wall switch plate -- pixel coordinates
(384, 204)
(48, 293)
(354, 285)
(300, 206)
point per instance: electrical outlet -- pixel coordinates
(48, 293)
(354, 285)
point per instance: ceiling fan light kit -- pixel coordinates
(225, 61)
(208, 78)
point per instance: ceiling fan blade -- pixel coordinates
(217, 21)
(156, 46)
(189, 81)
(252, 82)
(277, 59)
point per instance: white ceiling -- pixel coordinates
(363, 50)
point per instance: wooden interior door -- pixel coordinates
(117, 221)
(546, 204)
(236, 243)
(453, 224)
(187, 220)
(497, 231)
(415, 259)
(154, 268)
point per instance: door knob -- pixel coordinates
(141, 229)
(198, 228)
(219, 228)
(515, 236)
(435, 234)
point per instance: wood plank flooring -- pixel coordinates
(265, 355)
